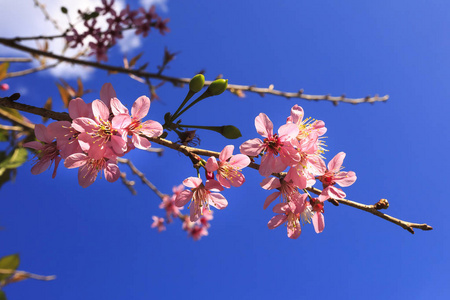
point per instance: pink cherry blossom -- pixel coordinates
(272, 145)
(308, 126)
(133, 124)
(287, 190)
(290, 213)
(168, 204)
(66, 137)
(47, 151)
(229, 166)
(158, 223)
(90, 167)
(99, 133)
(334, 175)
(202, 196)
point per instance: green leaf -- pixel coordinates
(15, 159)
(2, 295)
(10, 262)
(63, 9)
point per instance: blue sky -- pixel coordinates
(98, 241)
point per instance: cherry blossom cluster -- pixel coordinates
(99, 133)
(298, 146)
(195, 229)
(141, 21)
(202, 196)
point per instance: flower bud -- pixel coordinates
(218, 86)
(197, 82)
(231, 132)
(4, 87)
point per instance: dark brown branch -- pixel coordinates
(180, 81)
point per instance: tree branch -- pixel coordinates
(193, 154)
(181, 81)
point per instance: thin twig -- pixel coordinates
(31, 70)
(15, 59)
(11, 128)
(128, 183)
(141, 176)
(17, 275)
(181, 81)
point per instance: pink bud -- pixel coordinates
(4, 86)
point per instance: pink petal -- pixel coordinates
(318, 222)
(267, 164)
(281, 208)
(294, 232)
(117, 107)
(239, 161)
(289, 131)
(213, 185)
(140, 108)
(276, 221)
(83, 124)
(335, 192)
(270, 199)
(183, 198)
(100, 110)
(263, 125)
(40, 131)
(223, 181)
(192, 182)
(75, 160)
(140, 142)
(87, 176)
(151, 128)
(270, 183)
(107, 93)
(296, 114)
(218, 201)
(34, 145)
(252, 147)
(112, 172)
(41, 166)
(211, 164)
(316, 165)
(335, 164)
(237, 180)
(119, 145)
(345, 179)
(226, 153)
(59, 129)
(78, 108)
(121, 121)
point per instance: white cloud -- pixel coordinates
(160, 3)
(129, 42)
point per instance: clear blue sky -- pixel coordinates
(98, 240)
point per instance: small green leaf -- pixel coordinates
(5, 176)
(231, 132)
(15, 159)
(63, 9)
(10, 262)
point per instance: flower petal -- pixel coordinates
(263, 125)
(140, 108)
(211, 164)
(107, 93)
(270, 183)
(112, 172)
(270, 199)
(100, 111)
(192, 182)
(276, 221)
(318, 221)
(226, 153)
(252, 147)
(239, 161)
(183, 198)
(218, 201)
(335, 164)
(117, 107)
(140, 142)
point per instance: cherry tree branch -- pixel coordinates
(181, 81)
(15, 59)
(193, 154)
